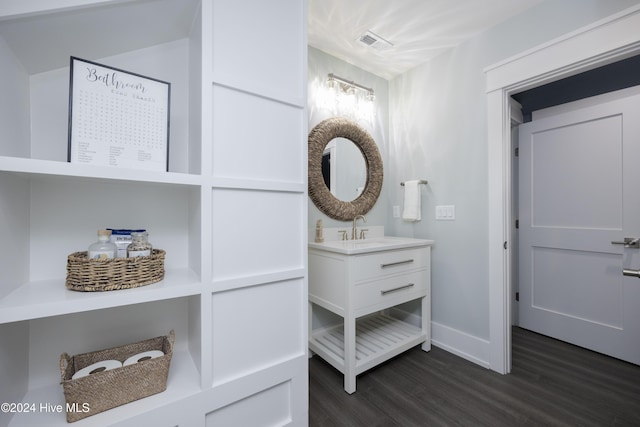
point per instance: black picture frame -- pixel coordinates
(117, 118)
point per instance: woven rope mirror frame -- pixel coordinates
(320, 194)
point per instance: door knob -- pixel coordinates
(629, 242)
(632, 273)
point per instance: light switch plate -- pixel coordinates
(396, 211)
(446, 212)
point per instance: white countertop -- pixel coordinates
(373, 244)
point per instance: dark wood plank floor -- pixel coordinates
(551, 384)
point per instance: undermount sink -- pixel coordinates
(373, 244)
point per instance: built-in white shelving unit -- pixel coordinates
(235, 284)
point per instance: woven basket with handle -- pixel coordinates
(100, 391)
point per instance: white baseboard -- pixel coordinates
(460, 343)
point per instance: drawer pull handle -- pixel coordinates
(388, 291)
(393, 264)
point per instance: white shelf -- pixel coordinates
(183, 381)
(37, 167)
(378, 338)
(51, 298)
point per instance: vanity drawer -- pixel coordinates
(387, 263)
(391, 291)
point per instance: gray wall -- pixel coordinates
(431, 124)
(320, 65)
(438, 132)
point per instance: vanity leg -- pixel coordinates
(426, 321)
(349, 354)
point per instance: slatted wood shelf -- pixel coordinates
(379, 337)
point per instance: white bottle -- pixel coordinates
(103, 248)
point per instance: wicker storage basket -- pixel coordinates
(108, 389)
(88, 275)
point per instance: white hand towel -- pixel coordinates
(412, 203)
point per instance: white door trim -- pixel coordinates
(605, 41)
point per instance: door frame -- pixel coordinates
(602, 42)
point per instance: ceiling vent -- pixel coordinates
(375, 41)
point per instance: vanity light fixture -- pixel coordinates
(346, 98)
(349, 86)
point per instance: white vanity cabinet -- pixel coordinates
(360, 282)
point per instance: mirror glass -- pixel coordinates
(344, 169)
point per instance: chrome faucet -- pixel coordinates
(354, 231)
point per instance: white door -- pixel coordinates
(579, 192)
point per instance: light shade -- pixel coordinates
(346, 98)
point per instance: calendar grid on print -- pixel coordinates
(117, 118)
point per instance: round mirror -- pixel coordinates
(319, 138)
(343, 169)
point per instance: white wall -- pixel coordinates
(14, 117)
(320, 65)
(438, 132)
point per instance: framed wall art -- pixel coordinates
(117, 118)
